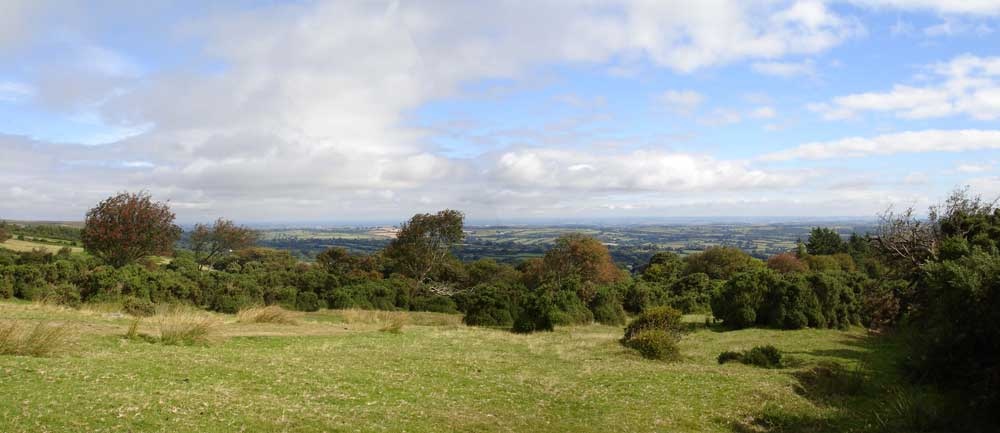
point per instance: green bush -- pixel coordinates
(655, 344)
(65, 294)
(607, 307)
(534, 314)
(433, 303)
(138, 307)
(761, 356)
(569, 309)
(487, 305)
(730, 356)
(307, 301)
(665, 319)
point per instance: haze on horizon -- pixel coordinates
(375, 110)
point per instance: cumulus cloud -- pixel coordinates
(966, 85)
(891, 144)
(635, 171)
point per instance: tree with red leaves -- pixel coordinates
(129, 226)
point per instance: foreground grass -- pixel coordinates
(336, 371)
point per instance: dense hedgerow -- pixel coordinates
(606, 307)
(829, 299)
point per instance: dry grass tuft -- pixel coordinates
(394, 324)
(40, 340)
(186, 329)
(269, 314)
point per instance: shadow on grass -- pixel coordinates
(869, 395)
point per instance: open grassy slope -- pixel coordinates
(19, 245)
(335, 371)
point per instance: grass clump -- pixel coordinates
(394, 325)
(760, 356)
(39, 340)
(830, 380)
(187, 329)
(269, 314)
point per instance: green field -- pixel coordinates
(52, 247)
(336, 371)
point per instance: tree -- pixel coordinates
(663, 267)
(129, 226)
(825, 241)
(721, 263)
(4, 235)
(576, 255)
(786, 263)
(222, 238)
(425, 242)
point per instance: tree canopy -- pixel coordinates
(129, 226)
(221, 238)
(424, 242)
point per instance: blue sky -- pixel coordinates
(337, 111)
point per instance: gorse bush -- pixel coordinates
(606, 307)
(487, 305)
(534, 314)
(138, 307)
(655, 344)
(664, 319)
(760, 356)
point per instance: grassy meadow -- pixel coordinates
(358, 370)
(26, 245)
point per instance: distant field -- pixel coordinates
(17, 245)
(630, 245)
(337, 372)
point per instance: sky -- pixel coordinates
(507, 110)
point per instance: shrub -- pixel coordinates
(433, 303)
(269, 314)
(534, 314)
(64, 294)
(138, 307)
(41, 340)
(488, 306)
(763, 356)
(655, 344)
(730, 356)
(691, 293)
(740, 298)
(569, 309)
(307, 301)
(607, 307)
(187, 329)
(665, 319)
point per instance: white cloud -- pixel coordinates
(765, 112)
(12, 91)
(966, 85)
(891, 144)
(974, 168)
(634, 171)
(786, 69)
(972, 7)
(681, 101)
